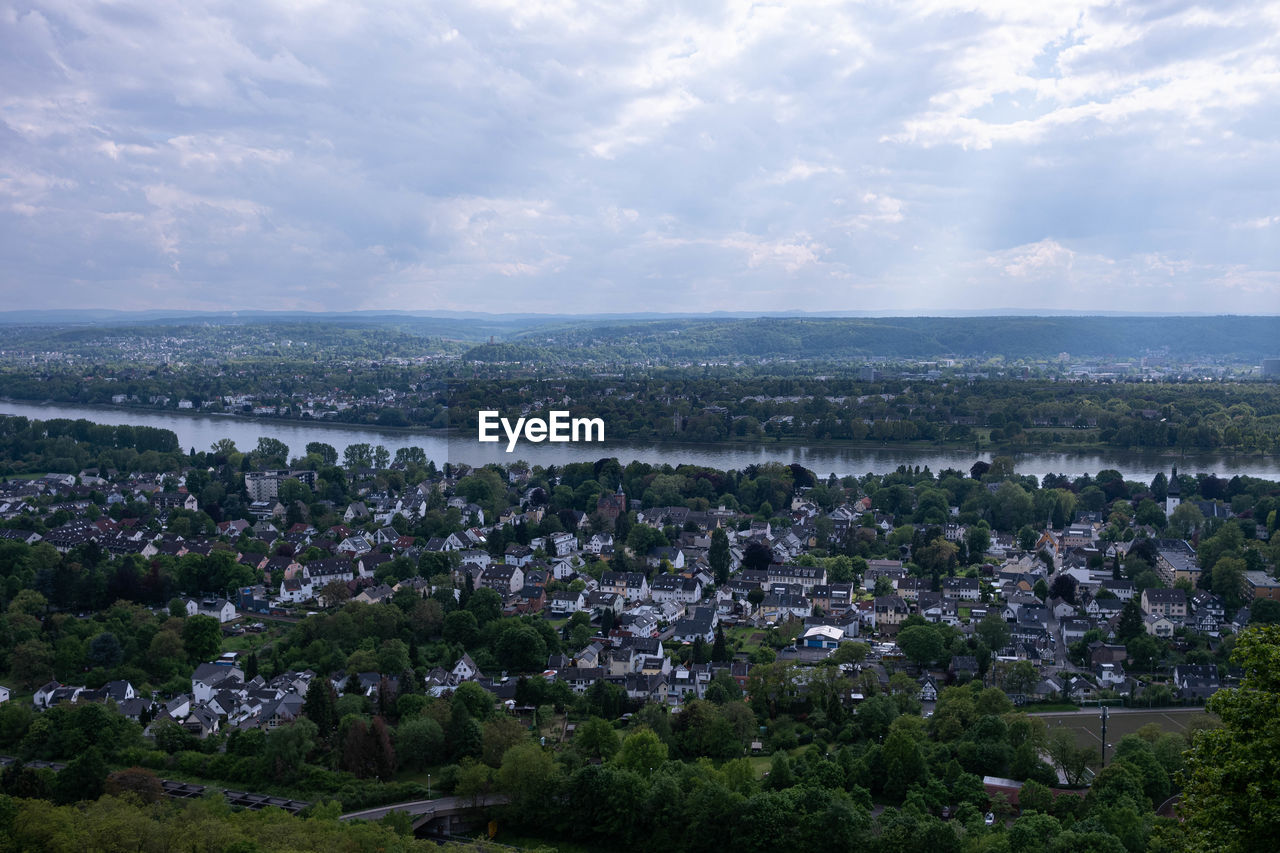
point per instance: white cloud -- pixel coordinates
(561, 155)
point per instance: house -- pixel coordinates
(1196, 682)
(518, 555)
(806, 576)
(676, 589)
(208, 678)
(701, 624)
(965, 589)
(633, 586)
(928, 688)
(890, 611)
(296, 590)
(1110, 675)
(1158, 626)
(218, 608)
(1122, 590)
(1165, 602)
(379, 594)
(566, 602)
(503, 578)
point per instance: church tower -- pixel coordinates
(1173, 496)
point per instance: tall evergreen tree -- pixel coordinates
(720, 651)
(718, 556)
(320, 706)
(1130, 624)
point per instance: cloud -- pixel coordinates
(571, 156)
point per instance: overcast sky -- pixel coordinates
(623, 156)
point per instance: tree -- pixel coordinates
(1064, 587)
(326, 452)
(993, 630)
(486, 604)
(531, 778)
(920, 643)
(904, 763)
(1228, 576)
(499, 735)
(271, 451)
(202, 637)
(419, 743)
(757, 556)
(596, 738)
(1072, 760)
(718, 556)
(642, 752)
(1144, 651)
(1264, 611)
(1130, 624)
(1186, 520)
(31, 663)
(320, 706)
(105, 651)
(136, 781)
(84, 778)
(1232, 775)
(287, 748)
(720, 650)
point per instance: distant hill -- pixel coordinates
(1247, 339)
(571, 338)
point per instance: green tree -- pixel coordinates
(202, 638)
(642, 752)
(419, 743)
(596, 738)
(920, 643)
(320, 706)
(1231, 794)
(531, 778)
(287, 749)
(718, 556)
(83, 778)
(1130, 624)
(486, 605)
(720, 650)
(904, 764)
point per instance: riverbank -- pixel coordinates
(980, 450)
(201, 430)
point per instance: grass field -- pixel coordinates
(1088, 728)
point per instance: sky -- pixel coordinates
(564, 157)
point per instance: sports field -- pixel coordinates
(1088, 728)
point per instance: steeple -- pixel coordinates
(1173, 495)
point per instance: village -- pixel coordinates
(1054, 620)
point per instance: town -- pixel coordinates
(231, 595)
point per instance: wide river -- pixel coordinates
(201, 431)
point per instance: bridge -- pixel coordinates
(441, 816)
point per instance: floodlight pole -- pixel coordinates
(1103, 717)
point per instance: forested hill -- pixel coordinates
(1245, 339)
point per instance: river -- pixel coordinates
(201, 431)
